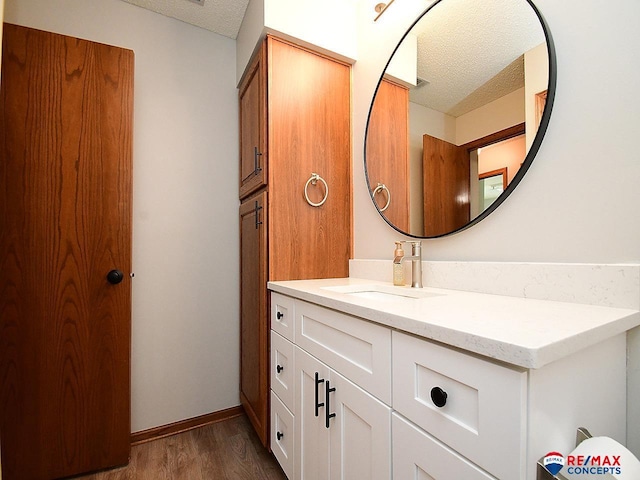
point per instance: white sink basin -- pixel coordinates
(384, 293)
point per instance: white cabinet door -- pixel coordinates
(312, 436)
(345, 435)
(419, 456)
(360, 432)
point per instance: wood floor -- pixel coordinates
(229, 449)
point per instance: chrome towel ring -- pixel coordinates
(383, 188)
(313, 181)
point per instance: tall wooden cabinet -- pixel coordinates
(387, 153)
(295, 192)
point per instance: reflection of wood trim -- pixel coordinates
(495, 137)
(493, 173)
(541, 101)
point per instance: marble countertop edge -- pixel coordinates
(522, 332)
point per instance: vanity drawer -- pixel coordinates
(282, 369)
(484, 413)
(356, 348)
(418, 455)
(282, 435)
(282, 315)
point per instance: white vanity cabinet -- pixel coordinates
(341, 430)
(282, 398)
(399, 405)
(475, 406)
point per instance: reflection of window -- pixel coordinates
(492, 184)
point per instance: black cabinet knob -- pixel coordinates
(279, 315)
(115, 276)
(279, 368)
(438, 397)
(279, 435)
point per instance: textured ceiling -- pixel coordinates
(470, 52)
(220, 16)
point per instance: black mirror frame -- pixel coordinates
(533, 150)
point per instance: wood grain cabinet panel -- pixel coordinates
(254, 353)
(305, 123)
(252, 108)
(387, 153)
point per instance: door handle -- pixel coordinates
(257, 209)
(114, 277)
(328, 416)
(318, 382)
(256, 161)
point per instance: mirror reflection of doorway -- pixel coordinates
(450, 174)
(487, 164)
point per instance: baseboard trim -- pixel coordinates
(162, 431)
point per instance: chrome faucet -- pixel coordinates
(416, 262)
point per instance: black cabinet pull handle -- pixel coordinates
(279, 315)
(258, 207)
(318, 382)
(279, 435)
(279, 368)
(256, 161)
(328, 415)
(438, 397)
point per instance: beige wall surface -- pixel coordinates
(185, 242)
(580, 139)
(593, 128)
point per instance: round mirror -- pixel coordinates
(459, 114)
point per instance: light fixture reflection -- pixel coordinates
(380, 8)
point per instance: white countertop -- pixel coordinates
(523, 332)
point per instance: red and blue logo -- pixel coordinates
(553, 462)
(582, 464)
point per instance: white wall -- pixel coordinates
(590, 146)
(185, 242)
(492, 117)
(326, 26)
(591, 136)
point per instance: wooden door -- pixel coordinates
(253, 141)
(65, 222)
(446, 171)
(309, 132)
(387, 153)
(254, 323)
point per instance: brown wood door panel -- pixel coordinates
(309, 132)
(253, 145)
(447, 172)
(254, 323)
(387, 151)
(65, 221)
